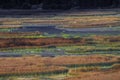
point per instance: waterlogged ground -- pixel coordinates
(60, 46)
(70, 31)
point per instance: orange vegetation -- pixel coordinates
(71, 60)
(110, 74)
(26, 65)
(37, 64)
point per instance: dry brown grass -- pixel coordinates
(96, 76)
(66, 21)
(18, 34)
(71, 60)
(95, 73)
(32, 64)
(92, 21)
(26, 65)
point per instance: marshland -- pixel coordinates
(60, 46)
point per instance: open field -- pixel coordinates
(68, 19)
(64, 22)
(95, 73)
(39, 64)
(60, 46)
(49, 67)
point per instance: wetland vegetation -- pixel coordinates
(64, 46)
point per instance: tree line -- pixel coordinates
(59, 4)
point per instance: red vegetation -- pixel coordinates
(42, 42)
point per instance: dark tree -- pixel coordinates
(59, 4)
